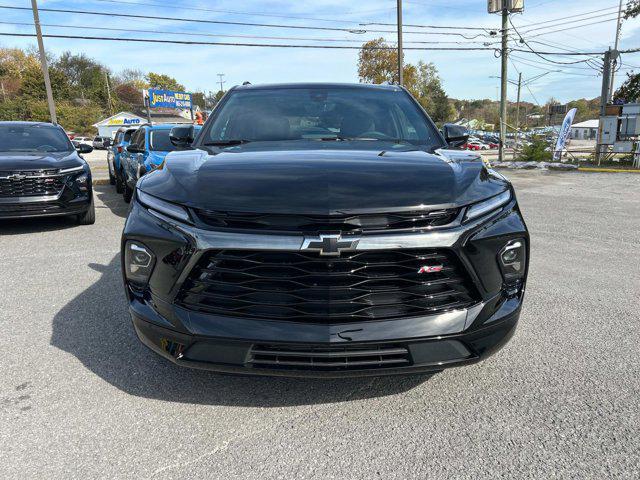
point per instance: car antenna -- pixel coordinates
(246, 83)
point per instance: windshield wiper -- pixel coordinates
(225, 143)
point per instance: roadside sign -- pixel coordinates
(169, 99)
(564, 133)
(556, 109)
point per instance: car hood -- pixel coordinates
(321, 180)
(38, 161)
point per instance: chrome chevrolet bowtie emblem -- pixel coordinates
(330, 244)
(16, 176)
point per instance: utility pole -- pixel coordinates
(106, 79)
(518, 109)
(503, 82)
(615, 49)
(43, 61)
(220, 76)
(604, 96)
(400, 51)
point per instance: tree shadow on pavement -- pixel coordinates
(96, 328)
(36, 225)
(111, 200)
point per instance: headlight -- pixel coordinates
(487, 206)
(169, 209)
(513, 260)
(71, 170)
(138, 263)
(83, 182)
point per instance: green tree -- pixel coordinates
(378, 63)
(431, 95)
(162, 81)
(629, 91)
(633, 9)
(32, 86)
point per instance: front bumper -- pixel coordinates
(49, 206)
(235, 352)
(225, 344)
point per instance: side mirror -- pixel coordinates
(84, 148)
(455, 135)
(182, 137)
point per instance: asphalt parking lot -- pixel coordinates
(80, 397)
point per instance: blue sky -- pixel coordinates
(464, 74)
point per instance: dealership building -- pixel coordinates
(587, 130)
(108, 126)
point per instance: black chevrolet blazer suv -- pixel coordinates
(323, 230)
(42, 175)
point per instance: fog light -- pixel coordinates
(138, 262)
(513, 260)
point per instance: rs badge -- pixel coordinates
(430, 269)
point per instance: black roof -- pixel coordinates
(366, 86)
(48, 124)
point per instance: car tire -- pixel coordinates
(127, 192)
(88, 217)
(119, 183)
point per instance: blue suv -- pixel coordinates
(146, 151)
(118, 146)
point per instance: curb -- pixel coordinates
(608, 170)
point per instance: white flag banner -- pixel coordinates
(564, 133)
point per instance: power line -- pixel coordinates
(224, 22)
(569, 17)
(364, 24)
(256, 37)
(549, 64)
(338, 47)
(539, 54)
(236, 12)
(527, 30)
(572, 28)
(237, 44)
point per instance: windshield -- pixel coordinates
(159, 140)
(33, 138)
(321, 113)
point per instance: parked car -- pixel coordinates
(476, 145)
(83, 141)
(119, 143)
(41, 173)
(323, 230)
(101, 143)
(147, 149)
(493, 145)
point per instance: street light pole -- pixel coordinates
(400, 52)
(43, 62)
(503, 83)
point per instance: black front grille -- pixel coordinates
(311, 357)
(316, 223)
(307, 287)
(30, 183)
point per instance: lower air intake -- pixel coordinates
(328, 358)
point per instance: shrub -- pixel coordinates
(536, 152)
